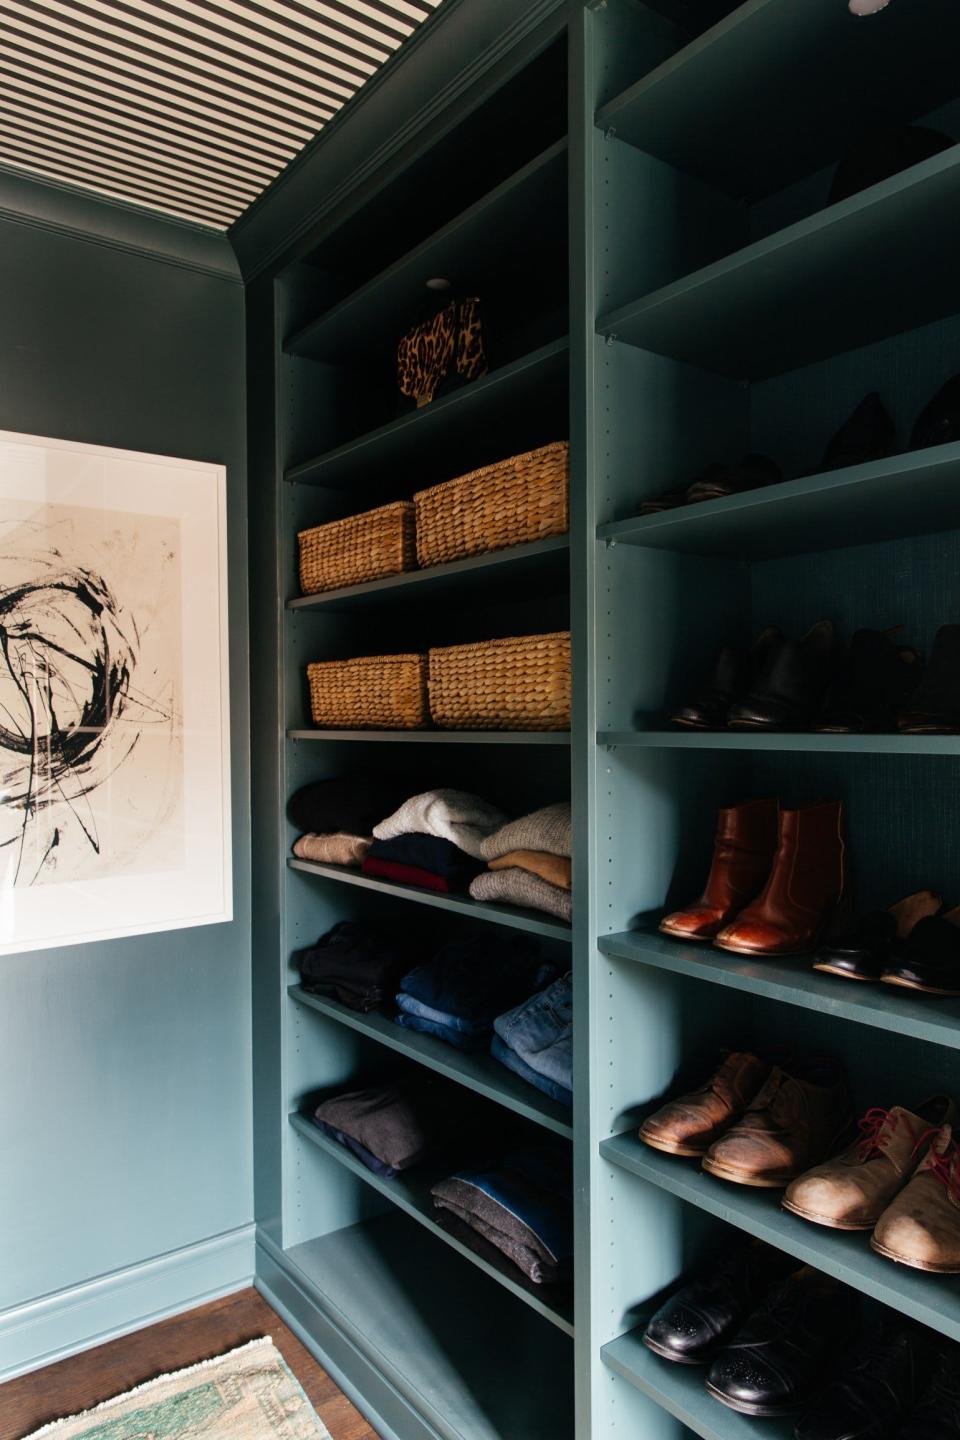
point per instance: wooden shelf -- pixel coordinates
(480, 1073)
(912, 494)
(931, 1018)
(680, 1390)
(933, 1300)
(805, 742)
(725, 107)
(383, 1286)
(518, 571)
(515, 916)
(529, 205)
(455, 425)
(440, 737)
(410, 1192)
(874, 265)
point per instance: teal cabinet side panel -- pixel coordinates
(125, 1073)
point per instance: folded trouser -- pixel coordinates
(502, 1052)
(472, 1044)
(412, 1006)
(540, 1031)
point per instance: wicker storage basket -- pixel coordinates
(358, 548)
(518, 684)
(374, 692)
(523, 498)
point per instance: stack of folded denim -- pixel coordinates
(337, 817)
(523, 1208)
(529, 862)
(358, 964)
(423, 860)
(460, 992)
(535, 1040)
(389, 1129)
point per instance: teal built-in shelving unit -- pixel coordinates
(638, 188)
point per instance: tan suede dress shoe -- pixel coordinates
(921, 1227)
(852, 1191)
(690, 1124)
(794, 1122)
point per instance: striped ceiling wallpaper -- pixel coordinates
(187, 107)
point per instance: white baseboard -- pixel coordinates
(42, 1331)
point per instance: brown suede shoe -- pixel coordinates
(852, 1191)
(690, 1124)
(794, 1122)
(921, 1227)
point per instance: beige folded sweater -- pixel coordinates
(453, 815)
(547, 829)
(555, 868)
(520, 887)
(332, 849)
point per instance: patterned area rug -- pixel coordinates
(247, 1394)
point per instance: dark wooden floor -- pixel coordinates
(84, 1380)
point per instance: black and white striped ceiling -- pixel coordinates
(188, 107)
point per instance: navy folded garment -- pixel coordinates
(428, 852)
(459, 1039)
(362, 1153)
(475, 979)
(501, 1051)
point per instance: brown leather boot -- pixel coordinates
(690, 1124)
(803, 891)
(921, 1227)
(852, 1191)
(794, 1122)
(743, 851)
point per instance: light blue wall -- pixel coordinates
(125, 1067)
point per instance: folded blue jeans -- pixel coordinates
(502, 1052)
(472, 1044)
(479, 977)
(540, 1032)
(410, 1005)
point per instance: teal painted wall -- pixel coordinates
(125, 1067)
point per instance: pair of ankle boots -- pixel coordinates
(776, 881)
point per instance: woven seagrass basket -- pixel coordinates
(517, 500)
(358, 548)
(522, 683)
(373, 692)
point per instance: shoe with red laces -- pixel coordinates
(921, 1227)
(937, 1416)
(853, 1190)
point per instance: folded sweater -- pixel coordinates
(398, 1128)
(428, 852)
(556, 869)
(519, 887)
(337, 849)
(349, 805)
(517, 1209)
(547, 829)
(453, 815)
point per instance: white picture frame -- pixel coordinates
(114, 694)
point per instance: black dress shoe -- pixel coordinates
(777, 1362)
(864, 952)
(790, 688)
(929, 958)
(698, 1320)
(872, 688)
(937, 1416)
(934, 708)
(869, 434)
(884, 1380)
(734, 673)
(939, 422)
(753, 472)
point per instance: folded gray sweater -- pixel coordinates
(547, 829)
(453, 815)
(522, 887)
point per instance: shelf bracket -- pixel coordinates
(611, 338)
(610, 133)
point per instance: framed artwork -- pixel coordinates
(114, 714)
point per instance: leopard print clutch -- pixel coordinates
(453, 339)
